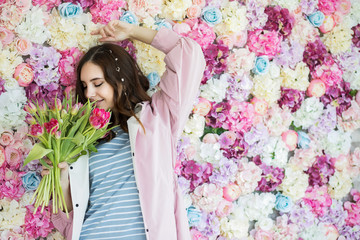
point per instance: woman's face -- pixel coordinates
(95, 86)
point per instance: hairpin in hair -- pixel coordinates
(117, 68)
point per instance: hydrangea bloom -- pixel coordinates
(279, 19)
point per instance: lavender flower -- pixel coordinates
(338, 96)
(224, 172)
(239, 88)
(325, 123)
(257, 137)
(350, 232)
(308, 6)
(291, 98)
(291, 53)
(255, 14)
(279, 19)
(335, 215)
(46, 93)
(209, 225)
(301, 215)
(44, 61)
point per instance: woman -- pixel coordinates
(132, 191)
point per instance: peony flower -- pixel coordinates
(264, 42)
(202, 107)
(231, 192)
(7, 138)
(6, 36)
(279, 19)
(13, 157)
(316, 88)
(290, 138)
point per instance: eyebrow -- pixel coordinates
(93, 79)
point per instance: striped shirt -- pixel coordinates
(114, 208)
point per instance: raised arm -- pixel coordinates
(117, 30)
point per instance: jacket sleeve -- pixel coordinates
(180, 83)
(63, 224)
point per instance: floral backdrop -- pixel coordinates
(266, 153)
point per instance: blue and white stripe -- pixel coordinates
(114, 208)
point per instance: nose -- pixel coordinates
(89, 92)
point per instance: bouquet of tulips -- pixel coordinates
(65, 132)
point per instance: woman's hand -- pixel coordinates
(64, 173)
(114, 31)
(117, 30)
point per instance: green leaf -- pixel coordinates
(353, 92)
(217, 131)
(92, 148)
(37, 152)
(78, 139)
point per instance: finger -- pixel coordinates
(108, 32)
(107, 39)
(62, 165)
(102, 33)
(45, 172)
(95, 32)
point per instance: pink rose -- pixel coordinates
(290, 138)
(2, 156)
(231, 192)
(6, 36)
(203, 107)
(227, 40)
(331, 232)
(328, 24)
(23, 5)
(200, 3)
(240, 38)
(211, 138)
(13, 157)
(23, 46)
(343, 7)
(193, 12)
(316, 88)
(7, 138)
(263, 235)
(224, 208)
(24, 74)
(260, 106)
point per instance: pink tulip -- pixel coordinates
(52, 126)
(30, 108)
(36, 130)
(99, 118)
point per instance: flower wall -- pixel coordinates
(266, 153)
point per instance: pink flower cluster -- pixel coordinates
(38, 224)
(318, 199)
(328, 72)
(67, 66)
(104, 11)
(196, 173)
(353, 209)
(264, 42)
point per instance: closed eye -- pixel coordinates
(98, 85)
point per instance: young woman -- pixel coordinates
(128, 189)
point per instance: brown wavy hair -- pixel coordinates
(127, 93)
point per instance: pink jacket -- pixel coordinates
(154, 152)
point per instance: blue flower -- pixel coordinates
(129, 17)
(283, 203)
(70, 10)
(262, 65)
(211, 15)
(194, 216)
(303, 140)
(316, 19)
(153, 78)
(31, 180)
(162, 23)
